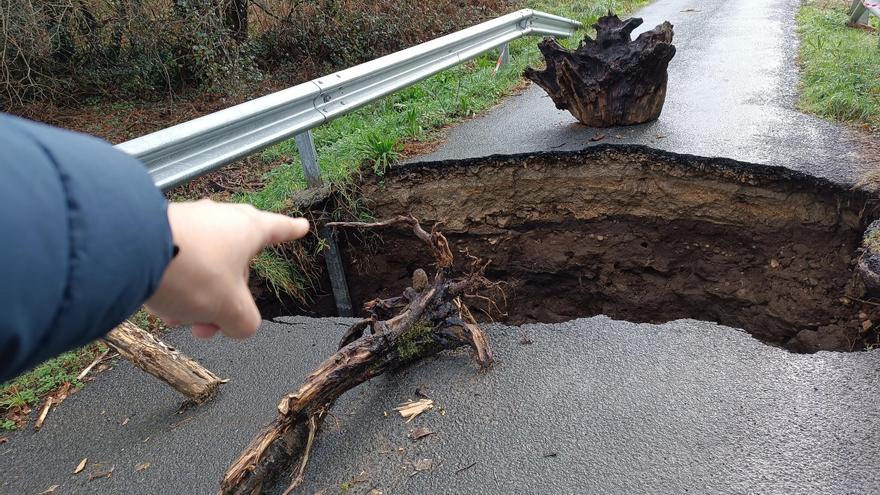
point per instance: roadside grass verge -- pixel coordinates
(21, 395)
(840, 66)
(18, 397)
(377, 135)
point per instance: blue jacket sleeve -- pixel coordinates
(84, 240)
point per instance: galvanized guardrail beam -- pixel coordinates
(185, 151)
(188, 150)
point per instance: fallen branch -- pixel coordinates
(426, 319)
(164, 362)
(82, 374)
(42, 417)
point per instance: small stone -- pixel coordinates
(419, 280)
(774, 264)
(863, 316)
(600, 237)
(866, 325)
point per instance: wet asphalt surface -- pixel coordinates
(591, 406)
(732, 93)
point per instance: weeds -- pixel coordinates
(841, 74)
(19, 395)
(380, 150)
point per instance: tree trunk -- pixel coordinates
(611, 80)
(162, 361)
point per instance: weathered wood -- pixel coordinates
(164, 362)
(611, 80)
(403, 329)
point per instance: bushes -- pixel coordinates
(63, 51)
(332, 34)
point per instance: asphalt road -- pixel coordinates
(591, 406)
(732, 93)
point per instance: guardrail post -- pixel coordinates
(309, 158)
(859, 14)
(505, 54)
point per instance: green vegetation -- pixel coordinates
(24, 392)
(412, 341)
(841, 69)
(872, 240)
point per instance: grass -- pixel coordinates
(840, 66)
(20, 395)
(376, 134)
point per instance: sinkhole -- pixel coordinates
(637, 234)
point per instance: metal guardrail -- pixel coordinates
(860, 9)
(185, 151)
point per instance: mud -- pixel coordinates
(639, 235)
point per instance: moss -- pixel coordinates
(411, 342)
(872, 240)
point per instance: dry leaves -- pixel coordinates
(142, 466)
(81, 465)
(411, 409)
(101, 474)
(597, 137)
(50, 490)
(419, 433)
(3, 440)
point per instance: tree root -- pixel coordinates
(427, 318)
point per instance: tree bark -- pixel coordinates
(163, 361)
(611, 80)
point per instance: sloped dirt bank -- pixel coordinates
(640, 235)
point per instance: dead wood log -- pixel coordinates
(428, 318)
(611, 80)
(164, 362)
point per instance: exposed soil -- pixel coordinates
(640, 235)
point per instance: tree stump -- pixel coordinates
(611, 80)
(163, 361)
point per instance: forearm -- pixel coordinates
(85, 240)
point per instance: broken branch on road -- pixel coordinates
(427, 318)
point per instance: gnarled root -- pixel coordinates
(426, 319)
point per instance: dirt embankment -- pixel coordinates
(639, 235)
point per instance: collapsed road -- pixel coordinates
(593, 405)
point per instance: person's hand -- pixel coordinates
(205, 285)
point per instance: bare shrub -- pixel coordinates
(66, 51)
